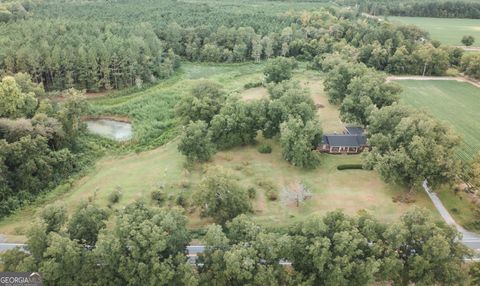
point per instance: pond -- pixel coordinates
(116, 130)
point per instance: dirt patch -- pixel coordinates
(254, 93)
(260, 203)
(88, 95)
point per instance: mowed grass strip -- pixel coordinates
(446, 30)
(457, 103)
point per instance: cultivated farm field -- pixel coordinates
(457, 103)
(447, 31)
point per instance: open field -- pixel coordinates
(138, 174)
(447, 31)
(455, 102)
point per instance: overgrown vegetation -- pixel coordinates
(38, 140)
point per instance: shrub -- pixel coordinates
(115, 196)
(265, 149)
(252, 192)
(181, 200)
(272, 194)
(350, 167)
(253, 84)
(271, 190)
(185, 183)
(157, 197)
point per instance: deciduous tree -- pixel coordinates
(468, 40)
(85, 223)
(205, 101)
(279, 69)
(365, 93)
(430, 253)
(220, 197)
(338, 79)
(409, 146)
(299, 140)
(15, 103)
(145, 246)
(195, 142)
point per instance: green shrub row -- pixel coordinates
(350, 167)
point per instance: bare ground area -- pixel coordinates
(254, 93)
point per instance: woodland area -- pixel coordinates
(58, 50)
(148, 245)
(63, 52)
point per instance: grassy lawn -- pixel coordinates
(447, 31)
(460, 206)
(456, 103)
(138, 174)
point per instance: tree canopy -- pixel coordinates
(409, 147)
(195, 142)
(299, 141)
(279, 69)
(220, 197)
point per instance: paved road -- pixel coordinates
(192, 250)
(469, 238)
(7, 246)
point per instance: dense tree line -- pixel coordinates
(62, 47)
(37, 139)
(146, 245)
(86, 55)
(428, 8)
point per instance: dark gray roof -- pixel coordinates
(344, 140)
(354, 130)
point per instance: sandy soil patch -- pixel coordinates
(254, 93)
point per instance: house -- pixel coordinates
(352, 141)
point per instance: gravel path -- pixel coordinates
(419, 77)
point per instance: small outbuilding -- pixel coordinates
(352, 141)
